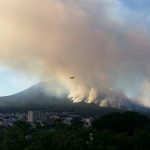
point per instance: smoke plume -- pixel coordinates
(93, 40)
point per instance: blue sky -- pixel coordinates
(138, 5)
(137, 12)
(13, 81)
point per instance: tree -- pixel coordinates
(121, 122)
(15, 137)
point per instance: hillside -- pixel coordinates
(35, 98)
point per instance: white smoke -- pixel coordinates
(91, 40)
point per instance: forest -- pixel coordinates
(114, 131)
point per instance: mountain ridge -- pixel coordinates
(37, 98)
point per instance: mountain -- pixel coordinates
(39, 97)
(36, 95)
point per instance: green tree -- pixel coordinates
(16, 137)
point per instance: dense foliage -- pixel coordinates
(117, 131)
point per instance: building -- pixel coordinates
(35, 116)
(87, 122)
(2, 123)
(67, 121)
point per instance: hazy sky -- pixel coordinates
(104, 43)
(12, 81)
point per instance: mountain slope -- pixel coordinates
(35, 94)
(35, 98)
(39, 98)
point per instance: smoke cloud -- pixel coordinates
(93, 40)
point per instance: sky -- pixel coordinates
(103, 43)
(12, 82)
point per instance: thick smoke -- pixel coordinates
(92, 40)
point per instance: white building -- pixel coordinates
(87, 122)
(2, 123)
(34, 116)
